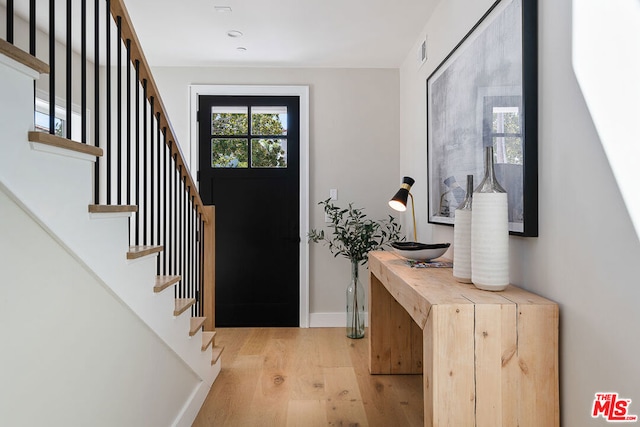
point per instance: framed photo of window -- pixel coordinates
(484, 93)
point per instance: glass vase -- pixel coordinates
(490, 231)
(355, 304)
(462, 237)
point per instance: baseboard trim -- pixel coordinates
(192, 406)
(332, 320)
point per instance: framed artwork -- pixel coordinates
(483, 94)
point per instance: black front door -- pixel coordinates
(249, 169)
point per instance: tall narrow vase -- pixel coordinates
(490, 231)
(462, 237)
(355, 304)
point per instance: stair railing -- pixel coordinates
(142, 163)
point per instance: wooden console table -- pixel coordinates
(489, 359)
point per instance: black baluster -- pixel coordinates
(10, 21)
(159, 186)
(52, 67)
(83, 72)
(174, 213)
(151, 170)
(129, 153)
(119, 107)
(143, 205)
(200, 260)
(165, 220)
(96, 94)
(138, 159)
(185, 203)
(69, 71)
(108, 94)
(169, 208)
(187, 212)
(191, 255)
(32, 26)
(180, 232)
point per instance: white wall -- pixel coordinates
(586, 255)
(354, 145)
(74, 354)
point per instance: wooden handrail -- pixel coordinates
(118, 9)
(207, 297)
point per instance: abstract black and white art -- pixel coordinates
(485, 94)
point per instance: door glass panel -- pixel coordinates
(269, 120)
(229, 153)
(229, 120)
(269, 153)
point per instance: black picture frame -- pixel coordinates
(486, 92)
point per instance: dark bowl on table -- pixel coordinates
(420, 251)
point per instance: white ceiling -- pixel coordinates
(279, 33)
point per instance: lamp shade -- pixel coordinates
(399, 200)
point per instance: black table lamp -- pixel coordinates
(399, 201)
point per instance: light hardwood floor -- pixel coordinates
(305, 377)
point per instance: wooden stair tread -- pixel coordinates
(23, 57)
(216, 352)
(182, 305)
(163, 282)
(207, 339)
(112, 208)
(196, 324)
(136, 252)
(67, 144)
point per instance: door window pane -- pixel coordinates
(229, 120)
(269, 153)
(269, 120)
(229, 153)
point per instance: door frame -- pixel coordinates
(262, 90)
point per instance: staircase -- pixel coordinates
(50, 178)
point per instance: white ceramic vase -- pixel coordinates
(490, 232)
(462, 237)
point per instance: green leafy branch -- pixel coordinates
(354, 235)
